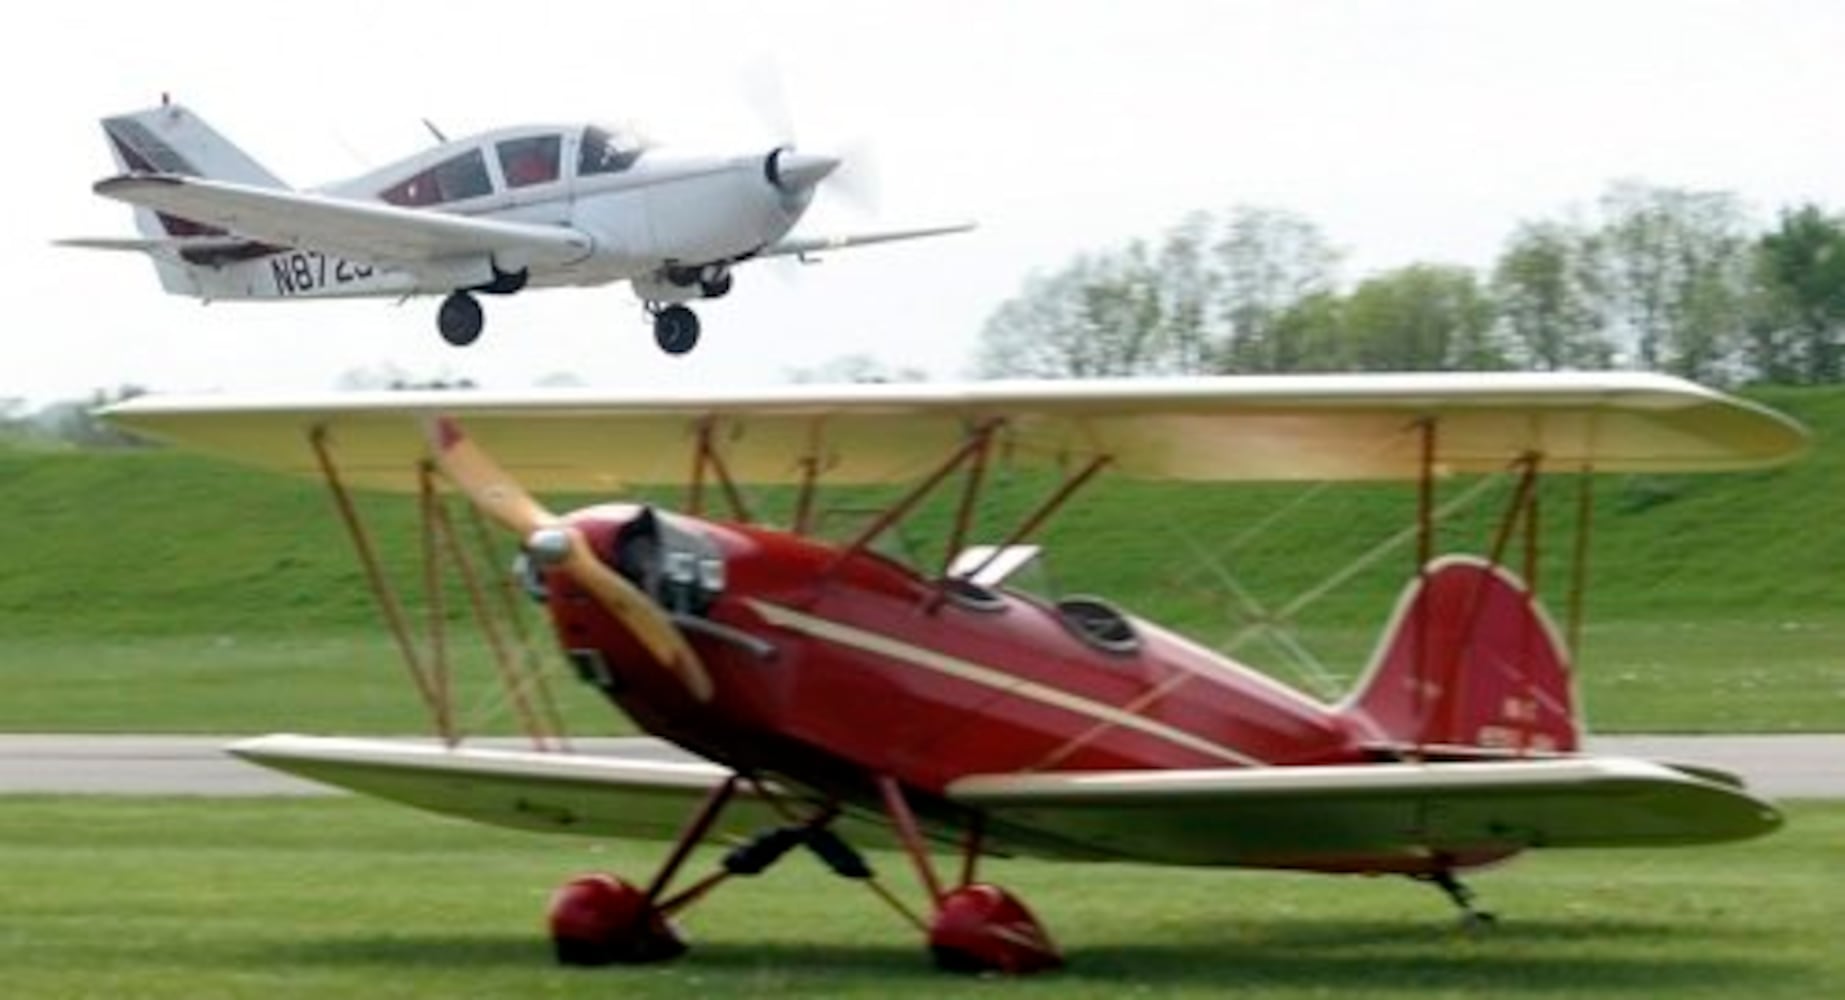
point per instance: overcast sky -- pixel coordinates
(1407, 130)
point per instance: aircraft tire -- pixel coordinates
(675, 329)
(460, 319)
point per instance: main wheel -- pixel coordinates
(460, 319)
(675, 329)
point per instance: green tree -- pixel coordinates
(1269, 261)
(1675, 275)
(1545, 289)
(1101, 315)
(1797, 330)
(1425, 317)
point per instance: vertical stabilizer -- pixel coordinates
(1469, 659)
(170, 139)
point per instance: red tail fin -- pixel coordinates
(1469, 659)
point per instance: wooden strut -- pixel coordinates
(971, 847)
(503, 658)
(909, 834)
(705, 457)
(976, 441)
(382, 593)
(1425, 549)
(508, 597)
(810, 480)
(441, 677)
(689, 837)
(1049, 506)
(970, 492)
(1579, 562)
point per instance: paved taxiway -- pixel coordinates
(1796, 766)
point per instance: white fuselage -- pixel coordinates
(661, 209)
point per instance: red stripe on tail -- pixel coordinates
(1469, 660)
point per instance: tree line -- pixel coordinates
(1655, 278)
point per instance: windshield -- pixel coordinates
(606, 151)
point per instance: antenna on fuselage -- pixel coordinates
(433, 130)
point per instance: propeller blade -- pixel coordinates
(857, 181)
(501, 498)
(638, 613)
(485, 483)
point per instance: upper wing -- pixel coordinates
(605, 796)
(359, 230)
(1300, 816)
(1277, 427)
(806, 245)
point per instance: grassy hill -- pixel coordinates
(1717, 600)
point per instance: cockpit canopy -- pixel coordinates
(524, 161)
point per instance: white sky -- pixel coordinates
(1407, 130)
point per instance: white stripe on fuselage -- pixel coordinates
(998, 680)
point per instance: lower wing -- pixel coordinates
(595, 795)
(1335, 816)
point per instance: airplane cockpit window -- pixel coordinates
(528, 161)
(606, 152)
(454, 179)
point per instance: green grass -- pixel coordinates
(1690, 676)
(157, 590)
(340, 897)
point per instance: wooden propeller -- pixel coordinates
(502, 499)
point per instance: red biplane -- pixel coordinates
(833, 694)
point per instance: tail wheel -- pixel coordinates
(675, 329)
(460, 319)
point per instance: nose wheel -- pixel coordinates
(675, 329)
(460, 319)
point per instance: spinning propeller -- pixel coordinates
(555, 542)
(850, 171)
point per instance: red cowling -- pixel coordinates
(601, 920)
(983, 928)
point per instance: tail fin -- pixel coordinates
(170, 139)
(1469, 659)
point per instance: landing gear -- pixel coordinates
(675, 329)
(602, 920)
(715, 282)
(975, 927)
(460, 319)
(1472, 918)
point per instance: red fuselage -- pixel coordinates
(863, 668)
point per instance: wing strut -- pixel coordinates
(522, 682)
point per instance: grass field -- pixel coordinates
(152, 590)
(340, 897)
(1691, 676)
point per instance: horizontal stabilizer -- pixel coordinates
(1308, 816)
(351, 228)
(174, 245)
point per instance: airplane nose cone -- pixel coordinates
(793, 173)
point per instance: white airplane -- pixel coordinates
(516, 208)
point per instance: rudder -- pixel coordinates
(171, 139)
(1469, 659)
